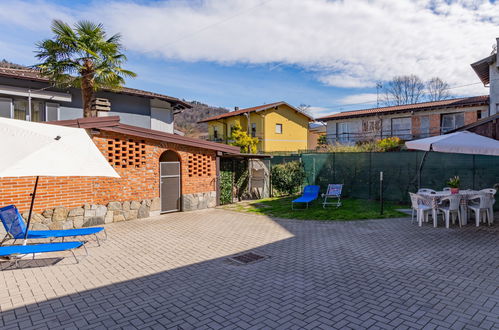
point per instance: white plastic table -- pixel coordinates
(434, 199)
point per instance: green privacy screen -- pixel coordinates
(359, 171)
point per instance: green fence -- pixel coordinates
(359, 171)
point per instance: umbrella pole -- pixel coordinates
(420, 168)
(33, 195)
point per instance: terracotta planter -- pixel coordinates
(454, 191)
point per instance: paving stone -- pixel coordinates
(172, 272)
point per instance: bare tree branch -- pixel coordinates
(404, 90)
(437, 89)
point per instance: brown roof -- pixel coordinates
(253, 109)
(482, 68)
(459, 102)
(112, 124)
(34, 75)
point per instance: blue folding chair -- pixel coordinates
(333, 191)
(310, 194)
(16, 228)
(18, 251)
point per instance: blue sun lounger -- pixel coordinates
(310, 194)
(16, 228)
(17, 251)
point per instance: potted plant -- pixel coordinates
(454, 183)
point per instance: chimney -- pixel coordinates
(236, 108)
(101, 107)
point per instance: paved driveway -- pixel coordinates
(172, 271)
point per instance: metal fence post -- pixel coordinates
(474, 169)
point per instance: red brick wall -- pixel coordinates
(416, 125)
(139, 176)
(435, 124)
(470, 117)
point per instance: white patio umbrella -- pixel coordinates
(463, 142)
(35, 149)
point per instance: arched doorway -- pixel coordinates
(169, 186)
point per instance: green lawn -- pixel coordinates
(352, 209)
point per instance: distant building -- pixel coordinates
(315, 131)
(487, 70)
(411, 121)
(133, 106)
(278, 126)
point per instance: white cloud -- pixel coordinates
(319, 111)
(342, 43)
(363, 98)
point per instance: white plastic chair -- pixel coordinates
(446, 189)
(453, 207)
(421, 209)
(426, 191)
(484, 205)
(492, 193)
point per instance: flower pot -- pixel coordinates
(454, 191)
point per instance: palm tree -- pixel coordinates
(83, 57)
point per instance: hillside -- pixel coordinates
(186, 121)
(6, 64)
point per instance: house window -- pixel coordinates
(278, 128)
(253, 130)
(401, 127)
(5, 108)
(452, 121)
(424, 129)
(342, 132)
(215, 132)
(369, 126)
(231, 129)
(21, 110)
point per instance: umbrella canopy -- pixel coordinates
(35, 149)
(459, 142)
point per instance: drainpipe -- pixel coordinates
(247, 123)
(29, 105)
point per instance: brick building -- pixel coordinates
(135, 153)
(410, 121)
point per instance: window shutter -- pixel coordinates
(51, 111)
(5, 108)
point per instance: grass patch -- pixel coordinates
(352, 209)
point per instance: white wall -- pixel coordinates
(161, 116)
(494, 86)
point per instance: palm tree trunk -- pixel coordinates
(87, 89)
(87, 94)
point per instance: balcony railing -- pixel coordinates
(351, 138)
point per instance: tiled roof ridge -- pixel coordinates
(421, 105)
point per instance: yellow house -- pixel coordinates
(278, 126)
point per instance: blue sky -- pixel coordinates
(327, 54)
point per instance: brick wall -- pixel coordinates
(470, 117)
(435, 124)
(416, 125)
(135, 160)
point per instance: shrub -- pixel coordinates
(287, 178)
(390, 144)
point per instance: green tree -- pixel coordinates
(83, 57)
(241, 139)
(322, 140)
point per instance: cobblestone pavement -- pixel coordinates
(172, 272)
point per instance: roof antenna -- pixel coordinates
(378, 87)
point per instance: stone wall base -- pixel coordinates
(93, 214)
(199, 201)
